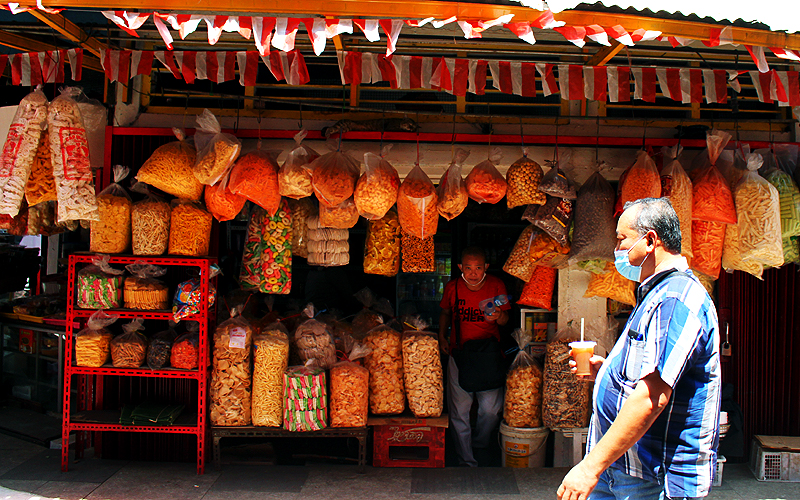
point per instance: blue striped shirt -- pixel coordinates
(673, 330)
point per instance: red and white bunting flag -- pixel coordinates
(643, 35)
(116, 64)
(757, 53)
(523, 31)
(791, 55)
(141, 62)
(575, 34)
(245, 26)
(248, 67)
(477, 76)
(317, 33)
(184, 24)
(452, 76)
(546, 21)
(3, 63)
(545, 71)
(285, 33)
(438, 24)
(419, 23)
(356, 68)
(392, 29)
(619, 83)
(16, 69)
(127, 21)
(52, 63)
(335, 27)
(166, 58)
(598, 34)
(215, 25)
(763, 84)
(691, 85)
(262, 33)
(676, 41)
(570, 79)
(369, 27)
(645, 84)
(289, 66)
(716, 85)
(75, 57)
(473, 29)
(23, 72)
(469, 30)
(514, 77)
(787, 88)
(158, 20)
(187, 62)
(217, 67)
(595, 82)
(669, 79)
(619, 34)
(733, 79)
(412, 72)
(719, 36)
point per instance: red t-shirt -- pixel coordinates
(473, 325)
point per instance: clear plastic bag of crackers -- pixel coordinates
(385, 364)
(255, 177)
(334, 176)
(171, 168)
(523, 399)
(100, 285)
(93, 343)
(485, 184)
(143, 290)
(452, 190)
(230, 396)
(111, 233)
(270, 360)
(294, 176)
(216, 151)
(376, 190)
(129, 349)
(417, 203)
(313, 341)
(422, 370)
(349, 398)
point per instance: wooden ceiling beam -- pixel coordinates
(602, 56)
(25, 44)
(71, 31)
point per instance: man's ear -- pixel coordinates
(460, 268)
(485, 266)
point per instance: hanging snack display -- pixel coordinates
(418, 254)
(612, 285)
(111, 233)
(230, 372)
(158, 349)
(341, 216)
(185, 354)
(376, 190)
(554, 217)
(712, 200)
(594, 235)
(485, 184)
(142, 290)
(422, 372)
(171, 169)
(301, 211)
(519, 263)
(189, 229)
(267, 258)
(305, 399)
(294, 176)
(790, 201)
(523, 398)
(327, 246)
(250, 277)
(41, 185)
(566, 400)
(69, 150)
(758, 209)
(382, 246)
(452, 190)
(385, 365)
(149, 224)
(188, 297)
(334, 176)
(641, 180)
(221, 202)
(708, 243)
(20, 150)
(99, 285)
(731, 256)
(270, 360)
(129, 348)
(417, 204)
(216, 151)
(538, 291)
(255, 177)
(523, 178)
(313, 341)
(92, 344)
(555, 182)
(676, 185)
(545, 251)
(350, 389)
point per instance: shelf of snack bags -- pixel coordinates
(93, 352)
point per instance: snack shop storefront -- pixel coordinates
(246, 215)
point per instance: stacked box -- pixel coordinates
(305, 399)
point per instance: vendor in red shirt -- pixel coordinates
(470, 323)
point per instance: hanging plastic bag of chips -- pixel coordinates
(376, 190)
(334, 176)
(216, 151)
(350, 388)
(641, 180)
(523, 398)
(554, 218)
(538, 291)
(382, 247)
(294, 176)
(171, 169)
(485, 184)
(255, 177)
(301, 211)
(612, 285)
(523, 178)
(594, 236)
(452, 190)
(417, 205)
(676, 185)
(519, 263)
(111, 233)
(223, 203)
(712, 199)
(341, 216)
(758, 210)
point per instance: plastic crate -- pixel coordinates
(775, 459)
(408, 442)
(718, 471)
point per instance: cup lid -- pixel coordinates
(585, 344)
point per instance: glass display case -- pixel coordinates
(421, 293)
(31, 363)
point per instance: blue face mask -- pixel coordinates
(623, 263)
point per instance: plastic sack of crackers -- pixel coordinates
(790, 201)
(612, 285)
(111, 233)
(187, 299)
(270, 360)
(524, 384)
(566, 399)
(485, 184)
(594, 233)
(16, 225)
(255, 177)
(129, 349)
(641, 180)
(334, 176)
(554, 217)
(171, 169)
(159, 347)
(382, 246)
(538, 291)
(223, 203)
(69, 150)
(99, 285)
(418, 254)
(150, 219)
(676, 185)
(216, 151)
(142, 289)
(452, 190)
(376, 190)
(350, 388)
(313, 341)
(20, 150)
(545, 251)
(41, 185)
(758, 208)
(708, 245)
(341, 216)
(712, 199)
(185, 353)
(417, 204)
(385, 364)
(93, 343)
(422, 371)
(294, 176)
(301, 211)
(189, 229)
(519, 263)
(523, 178)
(230, 371)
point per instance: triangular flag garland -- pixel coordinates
(29, 69)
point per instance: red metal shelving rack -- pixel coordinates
(99, 420)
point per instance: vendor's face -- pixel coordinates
(474, 269)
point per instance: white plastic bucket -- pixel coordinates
(523, 448)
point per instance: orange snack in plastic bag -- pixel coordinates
(538, 292)
(712, 198)
(485, 184)
(376, 190)
(417, 205)
(708, 240)
(255, 177)
(676, 185)
(342, 216)
(452, 190)
(222, 203)
(545, 251)
(612, 285)
(642, 180)
(294, 177)
(334, 176)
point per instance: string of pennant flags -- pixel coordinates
(35, 68)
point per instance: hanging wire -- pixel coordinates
(417, 163)
(300, 124)
(555, 151)
(236, 125)
(680, 134)
(597, 143)
(522, 138)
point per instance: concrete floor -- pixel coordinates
(30, 471)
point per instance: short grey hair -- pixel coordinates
(657, 214)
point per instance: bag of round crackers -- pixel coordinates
(452, 190)
(376, 190)
(171, 169)
(111, 233)
(341, 216)
(294, 176)
(216, 151)
(523, 178)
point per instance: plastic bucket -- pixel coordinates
(523, 448)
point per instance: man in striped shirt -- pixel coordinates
(654, 430)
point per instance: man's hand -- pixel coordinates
(577, 484)
(595, 362)
(444, 345)
(496, 314)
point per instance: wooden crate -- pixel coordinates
(406, 441)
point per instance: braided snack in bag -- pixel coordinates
(294, 176)
(417, 205)
(150, 219)
(376, 190)
(485, 184)
(171, 169)
(111, 233)
(452, 190)
(216, 151)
